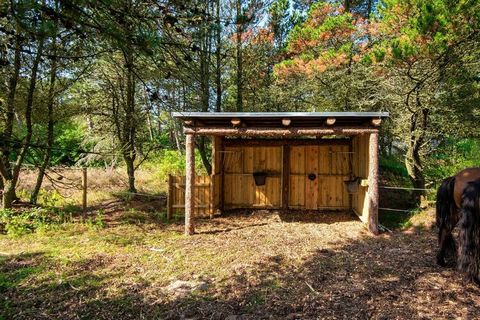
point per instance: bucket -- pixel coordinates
(352, 185)
(259, 178)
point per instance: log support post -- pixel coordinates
(373, 184)
(190, 184)
(84, 190)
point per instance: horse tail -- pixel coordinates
(445, 204)
(469, 237)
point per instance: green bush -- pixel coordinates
(172, 162)
(394, 165)
(98, 222)
(18, 223)
(452, 156)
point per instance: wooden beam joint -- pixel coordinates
(330, 121)
(286, 122)
(376, 122)
(236, 122)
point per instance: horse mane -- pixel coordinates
(445, 204)
(469, 236)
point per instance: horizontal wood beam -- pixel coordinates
(284, 142)
(278, 132)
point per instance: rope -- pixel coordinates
(402, 188)
(140, 194)
(397, 210)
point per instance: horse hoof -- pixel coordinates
(441, 262)
(476, 280)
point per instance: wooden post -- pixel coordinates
(285, 176)
(84, 190)
(373, 183)
(190, 185)
(222, 177)
(170, 197)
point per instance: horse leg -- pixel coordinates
(447, 246)
(469, 248)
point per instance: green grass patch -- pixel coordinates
(393, 165)
(396, 219)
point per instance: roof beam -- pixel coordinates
(278, 132)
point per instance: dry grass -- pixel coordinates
(257, 265)
(65, 189)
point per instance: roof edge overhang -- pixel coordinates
(219, 115)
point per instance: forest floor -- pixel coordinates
(256, 265)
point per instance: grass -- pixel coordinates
(256, 265)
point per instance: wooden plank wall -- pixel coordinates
(331, 165)
(240, 163)
(203, 202)
(360, 147)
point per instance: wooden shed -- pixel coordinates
(286, 160)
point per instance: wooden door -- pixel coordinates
(317, 175)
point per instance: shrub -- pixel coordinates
(18, 223)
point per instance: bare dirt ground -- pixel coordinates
(257, 265)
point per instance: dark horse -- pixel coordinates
(458, 203)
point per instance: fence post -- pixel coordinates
(170, 197)
(84, 190)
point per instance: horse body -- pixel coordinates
(461, 181)
(458, 203)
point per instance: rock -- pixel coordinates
(203, 286)
(232, 317)
(180, 287)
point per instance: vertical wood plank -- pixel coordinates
(285, 176)
(170, 198)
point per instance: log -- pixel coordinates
(84, 190)
(190, 185)
(286, 122)
(285, 142)
(376, 122)
(330, 121)
(278, 132)
(373, 184)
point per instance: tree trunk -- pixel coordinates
(239, 78)
(413, 160)
(5, 167)
(218, 78)
(50, 126)
(129, 129)
(9, 194)
(131, 173)
(202, 149)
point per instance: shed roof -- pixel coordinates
(273, 119)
